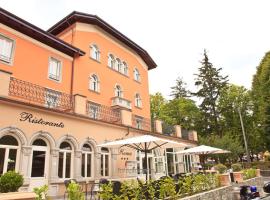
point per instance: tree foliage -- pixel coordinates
(210, 83)
(179, 90)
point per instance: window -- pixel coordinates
(138, 122)
(111, 61)
(159, 161)
(39, 158)
(118, 91)
(94, 110)
(104, 163)
(6, 49)
(9, 149)
(87, 156)
(118, 65)
(125, 68)
(65, 160)
(52, 98)
(95, 53)
(138, 100)
(55, 69)
(137, 76)
(94, 83)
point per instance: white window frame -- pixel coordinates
(111, 61)
(157, 157)
(64, 151)
(86, 153)
(55, 77)
(138, 100)
(137, 75)
(118, 65)
(103, 157)
(95, 52)
(12, 52)
(125, 68)
(139, 122)
(7, 148)
(118, 92)
(94, 84)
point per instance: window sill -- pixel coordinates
(96, 92)
(137, 81)
(54, 80)
(118, 72)
(98, 61)
(6, 63)
(138, 107)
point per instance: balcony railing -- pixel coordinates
(118, 101)
(141, 123)
(185, 134)
(103, 113)
(35, 94)
(168, 129)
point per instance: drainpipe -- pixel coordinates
(72, 66)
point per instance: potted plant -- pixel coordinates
(237, 173)
(224, 177)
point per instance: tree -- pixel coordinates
(179, 90)
(210, 83)
(157, 102)
(261, 99)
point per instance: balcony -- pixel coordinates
(121, 102)
(103, 113)
(141, 123)
(35, 94)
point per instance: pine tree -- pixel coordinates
(210, 83)
(179, 90)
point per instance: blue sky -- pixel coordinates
(236, 33)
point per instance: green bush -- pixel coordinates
(74, 191)
(237, 167)
(41, 192)
(220, 168)
(11, 181)
(167, 189)
(249, 173)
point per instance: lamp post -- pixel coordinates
(244, 135)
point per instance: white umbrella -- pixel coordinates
(144, 143)
(203, 149)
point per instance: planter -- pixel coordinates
(224, 179)
(18, 195)
(258, 172)
(238, 177)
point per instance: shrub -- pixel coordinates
(249, 173)
(237, 167)
(167, 188)
(220, 168)
(11, 181)
(74, 191)
(41, 192)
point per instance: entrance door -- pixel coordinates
(39, 166)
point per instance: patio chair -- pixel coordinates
(116, 187)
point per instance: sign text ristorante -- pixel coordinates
(28, 117)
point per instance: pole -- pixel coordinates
(146, 162)
(244, 135)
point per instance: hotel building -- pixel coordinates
(65, 90)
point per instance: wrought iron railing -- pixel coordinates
(141, 123)
(185, 134)
(168, 129)
(35, 94)
(103, 113)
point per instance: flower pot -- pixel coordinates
(238, 177)
(224, 179)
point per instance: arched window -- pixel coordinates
(125, 68)
(9, 152)
(118, 65)
(65, 160)
(118, 91)
(40, 158)
(104, 163)
(111, 61)
(87, 161)
(94, 83)
(95, 53)
(138, 100)
(137, 75)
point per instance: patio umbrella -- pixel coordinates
(144, 143)
(202, 150)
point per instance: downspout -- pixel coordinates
(72, 66)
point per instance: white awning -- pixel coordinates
(203, 149)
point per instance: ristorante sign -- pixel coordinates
(28, 117)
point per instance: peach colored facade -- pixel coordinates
(60, 122)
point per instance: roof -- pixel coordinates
(95, 20)
(33, 31)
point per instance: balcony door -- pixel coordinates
(39, 164)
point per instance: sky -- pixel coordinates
(235, 33)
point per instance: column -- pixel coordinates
(25, 163)
(158, 126)
(54, 165)
(80, 104)
(178, 131)
(77, 165)
(4, 82)
(126, 117)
